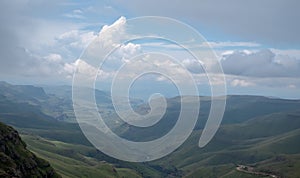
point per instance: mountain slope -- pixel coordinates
(22, 93)
(72, 160)
(258, 142)
(16, 160)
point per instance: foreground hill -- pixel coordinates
(17, 161)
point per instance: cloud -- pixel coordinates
(263, 63)
(242, 83)
(292, 86)
(233, 44)
(193, 66)
(255, 82)
(108, 37)
(77, 14)
(55, 60)
(111, 34)
(78, 39)
(32, 65)
(127, 51)
(54, 57)
(100, 45)
(82, 68)
(28, 46)
(215, 45)
(294, 53)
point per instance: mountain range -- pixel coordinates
(260, 133)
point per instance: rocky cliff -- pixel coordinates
(17, 161)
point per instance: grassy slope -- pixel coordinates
(283, 165)
(67, 133)
(224, 171)
(254, 141)
(69, 159)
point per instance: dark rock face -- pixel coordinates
(17, 161)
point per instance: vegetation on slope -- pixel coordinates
(17, 161)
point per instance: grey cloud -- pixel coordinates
(263, 63)
(19, 33)
(193, 66)
(275, 22)
(13, 54)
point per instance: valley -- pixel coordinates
(258, 132)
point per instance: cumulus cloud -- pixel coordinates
(110, 34)
(94, 60)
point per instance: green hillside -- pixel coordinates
(249, 143)
(72, 160)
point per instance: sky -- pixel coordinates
(257, 42)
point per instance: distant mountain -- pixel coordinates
(238, 109)
(17, 161)
(103, 98)
(33, 99)
(65, 91)
(22, 93)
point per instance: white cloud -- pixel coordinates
(127, 51)
(110, 34)
(242, 83)
(54, 57)
(292, 86)
(70, 69)
(84, 68)
(76, 38)
(76, 14)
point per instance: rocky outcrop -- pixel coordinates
(17, 161)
